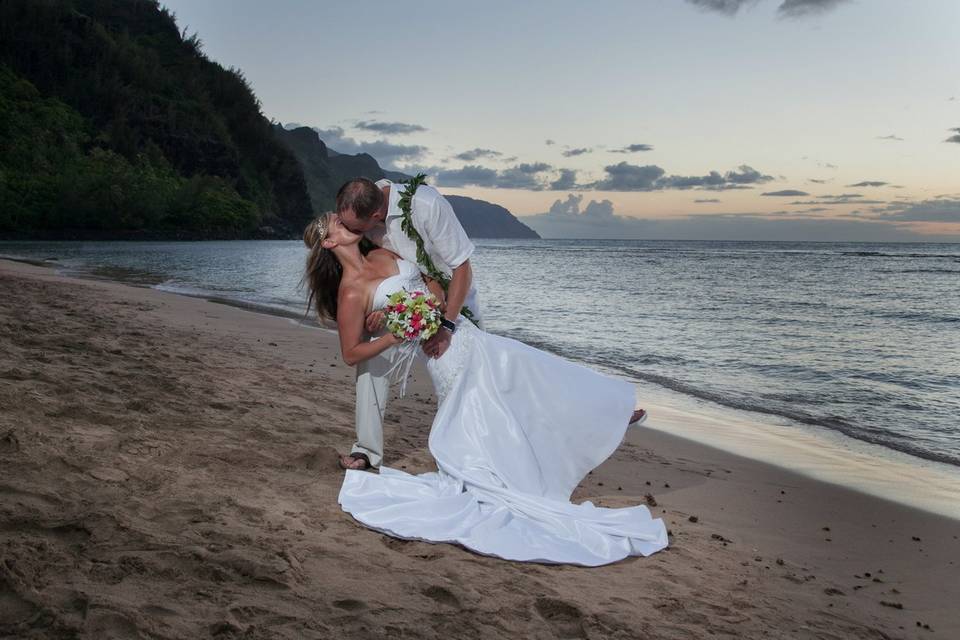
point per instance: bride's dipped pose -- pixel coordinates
(516, 430)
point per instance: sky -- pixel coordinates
(712, 119)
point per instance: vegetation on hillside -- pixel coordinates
(113, 120)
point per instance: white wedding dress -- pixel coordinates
(516, 430)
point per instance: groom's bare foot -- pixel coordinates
(357, 461)
(638, 417)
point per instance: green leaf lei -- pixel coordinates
(423, 258)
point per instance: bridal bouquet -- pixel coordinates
(413, 315)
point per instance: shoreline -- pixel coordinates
(809, 449)
(172, 471)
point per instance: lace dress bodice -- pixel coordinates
(445, 370)
(408, 278)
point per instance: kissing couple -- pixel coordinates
(516, 428)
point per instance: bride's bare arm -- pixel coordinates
(351, 309)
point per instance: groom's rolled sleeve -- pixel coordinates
(450, 241)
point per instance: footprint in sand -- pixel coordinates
(565, 619)
(395, 544)
(350, 605)
(442, 595)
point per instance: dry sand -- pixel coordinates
(169, 471)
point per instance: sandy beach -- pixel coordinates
(169, 471)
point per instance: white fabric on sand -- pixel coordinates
(516, 430)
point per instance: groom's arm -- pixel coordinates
(451, 243)
(458, 290)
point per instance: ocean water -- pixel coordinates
(859, 339)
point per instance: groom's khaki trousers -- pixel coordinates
(373, 388)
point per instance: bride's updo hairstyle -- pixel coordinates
(323, 270)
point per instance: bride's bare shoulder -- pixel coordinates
(382, 254)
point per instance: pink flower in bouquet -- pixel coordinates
(413, 315)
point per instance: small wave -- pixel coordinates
(915, 315)
(36, 262)
(881, 254)
(953, 271)
(834, 423)
(282, 311)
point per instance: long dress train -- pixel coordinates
(516, 430)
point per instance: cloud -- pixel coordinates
(598, 210)
(475, 154)
(523, 176)
(786, 192)
(787, 8)
(890, 137)
(815, 181)
(630, 177)
(747, 175)
(570, 208)
(530, 176)
(712, 180)
(389, 128)
(869, 183)
(566, 181)
(934, 210)
(704, 200)
(549, 142)
(624, 177)
(474, 175)
(728, 7)
(842, 198)
(386, 153)
(836, 201)
(954, 138)
(576, 152)
(566, 219)
(801, 8)
(633, 148)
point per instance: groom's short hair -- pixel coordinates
(361, 195)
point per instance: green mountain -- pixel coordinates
(115, 123)
(325, 170)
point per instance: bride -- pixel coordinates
(516, 429)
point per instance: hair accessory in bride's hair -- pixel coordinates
(321, 229)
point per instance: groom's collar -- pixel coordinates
(393, 208)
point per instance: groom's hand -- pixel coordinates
(438, 344)
(374, 322)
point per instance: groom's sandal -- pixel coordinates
(637, 418)
(360, 461)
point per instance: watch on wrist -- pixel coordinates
(449, 325)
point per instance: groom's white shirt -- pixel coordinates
(443, 236)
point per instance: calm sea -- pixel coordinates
(863, 339)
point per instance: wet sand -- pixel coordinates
(169, 471)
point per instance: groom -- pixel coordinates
(373, 209)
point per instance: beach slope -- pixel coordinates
(169, 471)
